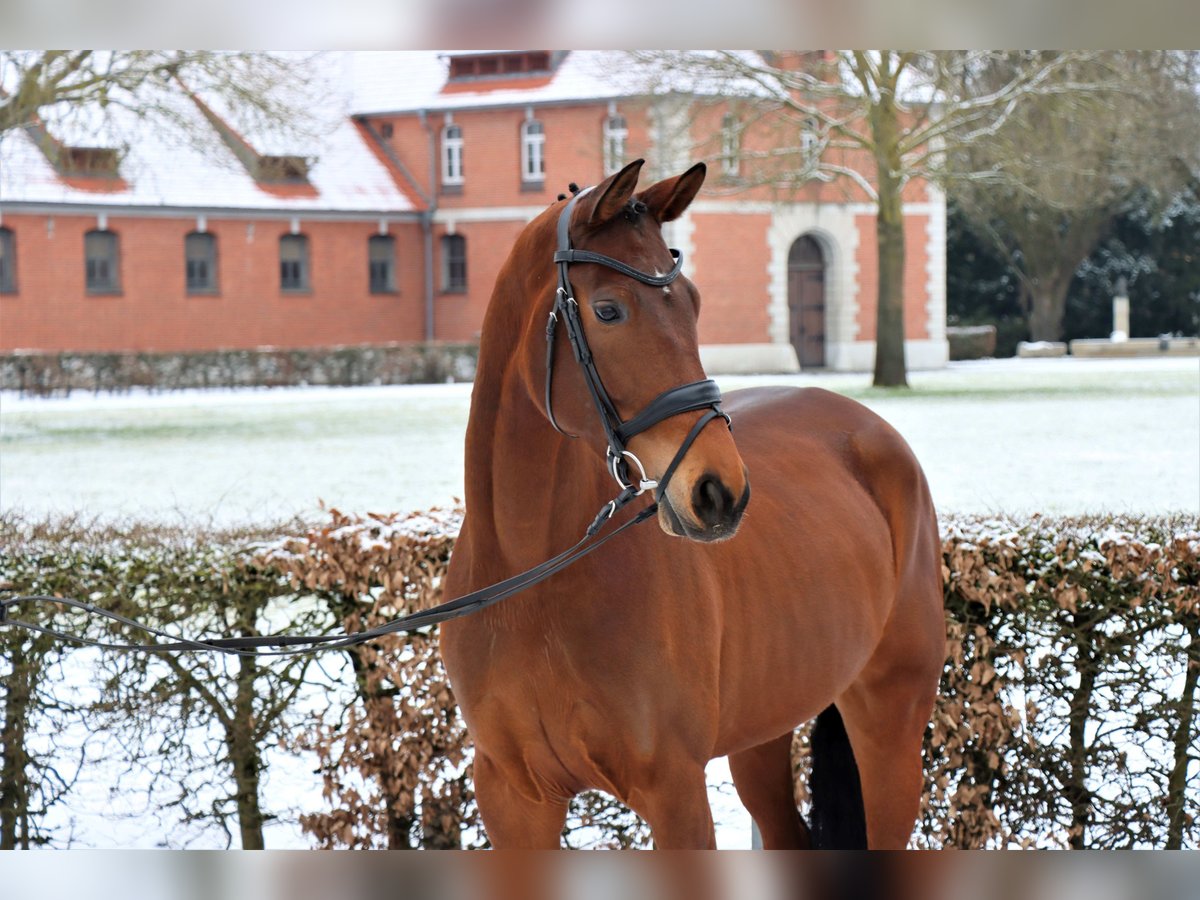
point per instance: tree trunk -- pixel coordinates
(1076, 790)
(890, 369)
(244, 754)
(1177, 781)
(1049, 302)
(14, 760)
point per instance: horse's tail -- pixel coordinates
(839, 821)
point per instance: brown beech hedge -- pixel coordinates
(1066, 718)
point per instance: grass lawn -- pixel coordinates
(1059, 436)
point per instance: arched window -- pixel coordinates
(731, 145)
(615, 133)
(381, 262)
(452, 155)
(101, 253)
(8, 261)
(200, 262)
(533, 156)
(293, 262)
(454, 264)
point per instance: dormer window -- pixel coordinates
(282, 169)
(94, 162)
(452, 156)
(533, 156)
(507, 63)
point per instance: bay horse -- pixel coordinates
(721, 631)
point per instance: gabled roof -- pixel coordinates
(193, 165)
(397, 82)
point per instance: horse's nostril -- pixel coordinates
(712, 500)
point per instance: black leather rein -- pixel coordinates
(686, 398)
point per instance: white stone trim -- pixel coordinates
(680, 234)
(669, 136)
(486, 214)
(748, 359)
(859, 356)
(935, 266)
(835, 229)
(757, 207)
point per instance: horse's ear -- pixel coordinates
(668, 199)
(613, 193)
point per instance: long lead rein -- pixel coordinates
(685, 398)
(297, 644)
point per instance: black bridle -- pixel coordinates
(685, 398)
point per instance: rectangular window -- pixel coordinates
(454, 263)
(810, 141)
(533, 152)
(293, 262)
(200, 255)
(100, 261)
(8, 261)
(731, 145)
(381, 261)
(615, 132)
(452, 155)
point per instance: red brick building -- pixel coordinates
(394, 227)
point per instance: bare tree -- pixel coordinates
(876, 120)
(1063, 167)
(265, 93)
(198, 725)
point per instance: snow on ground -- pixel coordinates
(1052, 435)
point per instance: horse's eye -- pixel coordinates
(608, 312)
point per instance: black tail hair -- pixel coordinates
(839, 821)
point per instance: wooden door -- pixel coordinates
(806, 301)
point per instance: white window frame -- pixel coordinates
(615, 133)
(731, 145)
(810, 141)
(533, 151)
(452, 155)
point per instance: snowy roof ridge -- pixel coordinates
(411, 81)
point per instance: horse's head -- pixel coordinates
(642, 341)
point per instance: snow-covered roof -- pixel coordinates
(177, 159)
(406, 81)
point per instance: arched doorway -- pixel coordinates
(806, 301)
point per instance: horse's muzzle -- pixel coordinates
(714, 514)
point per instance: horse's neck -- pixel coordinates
(529, 491)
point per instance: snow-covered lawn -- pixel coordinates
(1054, 435)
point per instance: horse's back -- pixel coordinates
(802, 432)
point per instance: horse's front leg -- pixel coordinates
(512, 819)
(674, 803)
